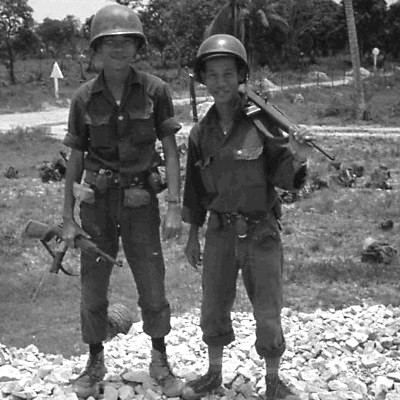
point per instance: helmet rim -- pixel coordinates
(220, 45)
(115, 19)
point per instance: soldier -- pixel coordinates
(231, 173)
(114, 122)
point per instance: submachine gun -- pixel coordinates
(257, 104)
(277, 116)
(45, 233)
(119, 317)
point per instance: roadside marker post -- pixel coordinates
(375, 53)
(56, 74)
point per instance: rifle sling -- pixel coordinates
(67, 272)
(266, 133)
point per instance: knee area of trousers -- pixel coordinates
(269, 323)
(95, 306)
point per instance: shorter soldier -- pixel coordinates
(232, 169)
(114, 122)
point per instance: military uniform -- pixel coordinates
(232, 177)
(119, 145)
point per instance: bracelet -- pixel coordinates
(173, 200)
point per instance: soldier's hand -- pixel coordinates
(299, 143)
(192, 252)
(172, 225)
(70, 231)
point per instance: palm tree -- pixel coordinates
(359, 99)
(237, 17)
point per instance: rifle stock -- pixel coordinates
(44, 233)
(280, 118)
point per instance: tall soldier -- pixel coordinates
(114, 122)
(232, 169)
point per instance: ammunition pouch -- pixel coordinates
(136, 196)
(84, 193)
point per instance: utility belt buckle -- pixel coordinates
(106, 172)
(239, 222)
(241, 226)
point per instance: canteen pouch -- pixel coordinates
(135, 197)
(83, 193)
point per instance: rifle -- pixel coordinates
(193, 101)
(45, 233)
(278, 117)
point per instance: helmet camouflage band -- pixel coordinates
(219, 46)
(115, 19)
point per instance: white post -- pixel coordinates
(56, 74)
(375, 53)
(56, 87)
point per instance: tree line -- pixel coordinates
(292, 30)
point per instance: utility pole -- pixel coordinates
(359, 98)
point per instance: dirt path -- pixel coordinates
(56, 121)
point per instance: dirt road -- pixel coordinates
(56, 121)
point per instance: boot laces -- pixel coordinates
(206, 383)
(94, 367)
(160, 365)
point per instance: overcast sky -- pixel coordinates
(82, 9)
(59, 9)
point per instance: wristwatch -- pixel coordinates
(173, 200)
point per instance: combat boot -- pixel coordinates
(202, 386)
(87, 383)
(161, 372)
(277, 390)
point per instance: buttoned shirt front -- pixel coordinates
(121, 137)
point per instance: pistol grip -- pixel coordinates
(57, 260)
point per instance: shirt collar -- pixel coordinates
(99, 84)
(211, 118)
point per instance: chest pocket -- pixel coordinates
(141, 128)
(248, 153)
(249, 161)
(99, 130)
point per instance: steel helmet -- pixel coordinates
(116, 19)
(218, 46)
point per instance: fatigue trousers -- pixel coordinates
(259, 256)
(105, 221)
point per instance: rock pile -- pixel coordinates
(335, 354)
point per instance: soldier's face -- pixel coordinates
(221, 76)
(118, 51)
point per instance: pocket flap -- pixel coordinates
(142, 112)
(97, 120)
(248, 153)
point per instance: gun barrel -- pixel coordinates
(43, 232)
(87, 245)
(280, 118)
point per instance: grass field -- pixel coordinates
(323, 232)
